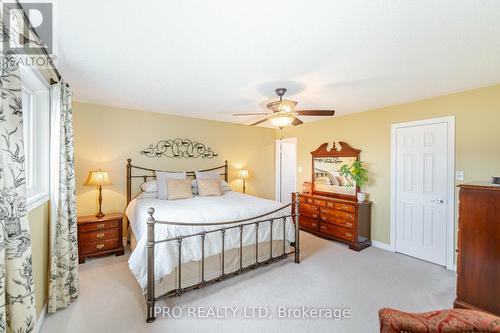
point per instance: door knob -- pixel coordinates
(439, 201)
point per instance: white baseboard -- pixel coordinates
(39, 322)
(383, 246)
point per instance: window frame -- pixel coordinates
(36, 136)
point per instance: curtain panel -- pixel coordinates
(64, 278)
(17, 308)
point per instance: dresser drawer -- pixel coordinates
(334, 220)
(108, 244)
(309, 210)
(345, 207)
(92, 236)
(307, 200)
(335, 231)
(99, 225)
(309, 223)
(319, 202)
(349, 217)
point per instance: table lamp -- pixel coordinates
(244, 175)
(98, 178)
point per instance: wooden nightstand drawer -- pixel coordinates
(99, 225)
(104, 245)
(99, 235)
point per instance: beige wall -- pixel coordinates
(39, 227)
(477, 115)
(105, 137)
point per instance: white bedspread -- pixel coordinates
(228, 207)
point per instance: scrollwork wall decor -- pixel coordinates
(179, 148)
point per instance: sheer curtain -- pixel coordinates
(64, 281)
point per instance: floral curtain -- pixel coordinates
(63, 285)
(17, 308)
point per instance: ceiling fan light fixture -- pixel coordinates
(282, 120)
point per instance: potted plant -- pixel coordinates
(356, 175)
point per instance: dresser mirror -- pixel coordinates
(326, 164)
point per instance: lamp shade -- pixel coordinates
(244, 174)
(282, 119)
(97, 178)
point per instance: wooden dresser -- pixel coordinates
(478, 265)
(98, 237)
(343, 220)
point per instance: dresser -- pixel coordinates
(98, 237)
(339, 219)
(478, 262)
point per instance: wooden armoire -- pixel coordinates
(478, 266)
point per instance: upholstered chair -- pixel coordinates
(443, 321)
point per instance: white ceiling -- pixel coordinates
(209, 59)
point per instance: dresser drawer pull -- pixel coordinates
(100, 235)
(315, 215)
(309, 200)
(349, 224)
(99, 246)
(314, 225)
(348, 234)
(100, 226)
(323, 227)
(324, 218)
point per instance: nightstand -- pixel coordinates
(99, 237)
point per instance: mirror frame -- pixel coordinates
(344, 151)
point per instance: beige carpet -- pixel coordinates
(330, 276)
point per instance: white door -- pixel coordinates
(286, 166)
(421, 191)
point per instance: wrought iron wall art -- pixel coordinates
(179, 148)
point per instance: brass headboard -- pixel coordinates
(151, 173)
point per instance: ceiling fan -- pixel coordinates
(284, 113)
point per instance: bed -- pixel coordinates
(181, 245)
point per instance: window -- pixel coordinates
(36, 127)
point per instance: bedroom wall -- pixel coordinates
(105, 137)
(477, 119)
(39, 226)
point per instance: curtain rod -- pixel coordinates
(26, 19)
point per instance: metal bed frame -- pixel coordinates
(255, 221)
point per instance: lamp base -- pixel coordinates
(100, 215)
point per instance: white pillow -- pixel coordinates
(161, 182)
(207, 174)
(145, 195)
(149, 186)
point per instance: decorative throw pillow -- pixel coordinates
(149, 186)
(209, 187)
(161, 182)
(179, 189)
(224, 186)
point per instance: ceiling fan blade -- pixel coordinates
(251, 114)
(316, 112)
(297, 122)
(260, 121)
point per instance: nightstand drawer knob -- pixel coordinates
(99, 246)
(100, 226)
(100, 235)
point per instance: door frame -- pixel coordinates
(450, 188)
(277, 183)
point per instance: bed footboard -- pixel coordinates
(240, 225)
